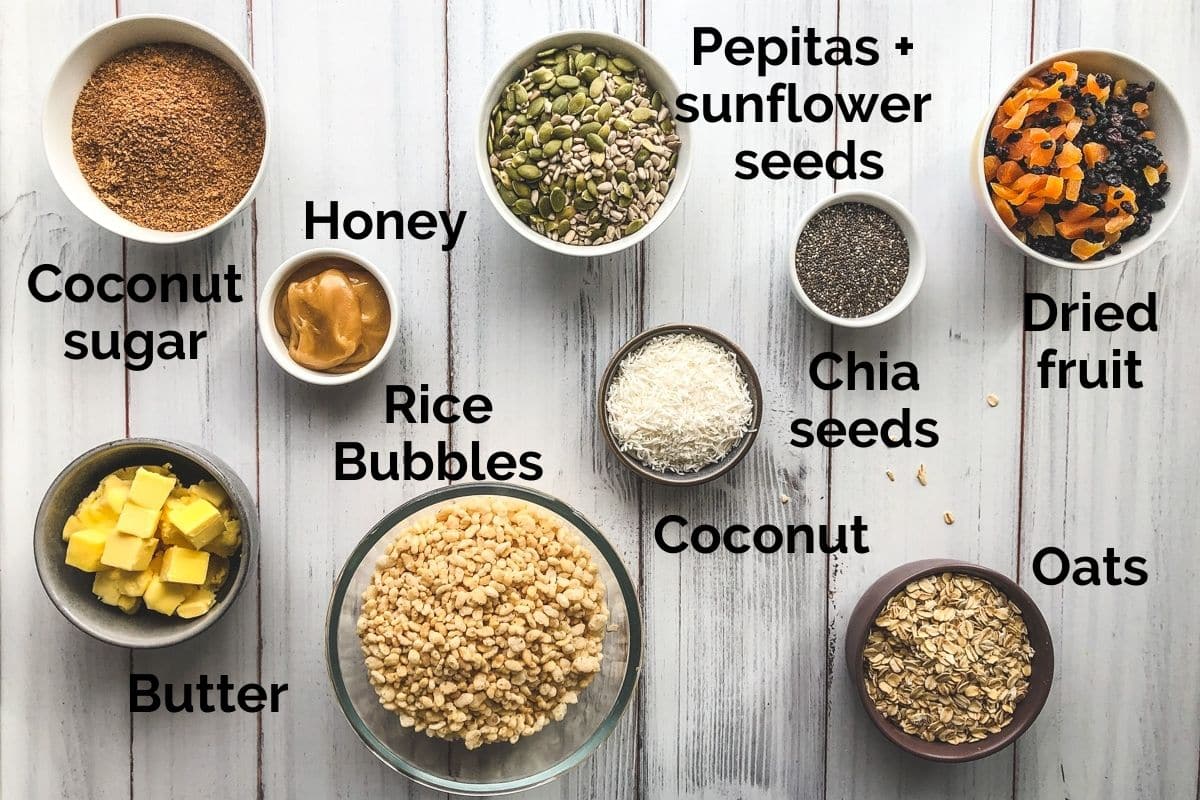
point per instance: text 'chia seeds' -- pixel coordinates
(852, 259)
(581, 147)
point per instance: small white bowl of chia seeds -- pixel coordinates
(857, 259)
(576, 145)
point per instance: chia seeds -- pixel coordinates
(852, 259)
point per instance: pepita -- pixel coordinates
(643, 114)
(623, 64)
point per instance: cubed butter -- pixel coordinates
(181, 565)
(150, 490)
(198, 602)
(96, 514)
(199, 521)
(138, 521)
(116, 492)
(129, 605)
(152, 541)
(210, 491)
(85, 549)
(105, 586)
(228, 542)
(133, 584)
(170, 535)
(73, 523)
(164, 597)
(128, 552)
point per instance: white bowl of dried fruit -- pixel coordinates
(514, 682)
(1083, 160)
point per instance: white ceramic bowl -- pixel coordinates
(1166, 117)
(658, 78)
(916, 259)
(93, 50)
(277, 347)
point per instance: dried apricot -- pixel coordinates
(1008, 172)
(1068, 69)
(1031, 207)
(1005, 211)
(1083, 249)
(990, 164)
(1094, 88)
(1051, 92)
(1094, 153)
(1072, 173)
(1009, 194)
(1069, 156)
(1118, 223)
(1117, 196)
(1074, 230)
(1074, 187)
(1077, 212)
(1029, 182)
(1042, 156)
(1064, 111)
(1052, 190)
(1014, 122)
(1042, 225)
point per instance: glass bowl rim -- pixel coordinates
(414, 506)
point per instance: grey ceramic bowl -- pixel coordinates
(71, 590)
(712, 471)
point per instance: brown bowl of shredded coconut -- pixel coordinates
(156, 129)
(680, 404)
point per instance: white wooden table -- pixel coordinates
(743, 693)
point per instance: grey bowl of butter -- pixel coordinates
(71, 589)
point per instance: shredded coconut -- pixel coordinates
(679, 403)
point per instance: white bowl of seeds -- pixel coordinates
(156, 128)
(857, 259)
(576, 145)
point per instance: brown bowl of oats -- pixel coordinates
(952, 661)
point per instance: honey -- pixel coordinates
(333, 315)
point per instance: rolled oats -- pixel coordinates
(948, 659)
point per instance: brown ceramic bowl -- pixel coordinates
(712, 471)
(868, 608)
